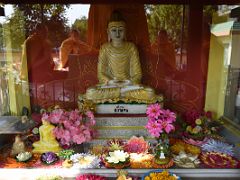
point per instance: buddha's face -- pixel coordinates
(116, 31)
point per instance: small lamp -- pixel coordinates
(2, 13)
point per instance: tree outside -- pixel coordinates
(81, 25)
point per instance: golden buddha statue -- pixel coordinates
(119, 69)
(47, 140)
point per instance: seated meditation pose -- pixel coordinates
(119, 69)
(72, 45)
(47, 140)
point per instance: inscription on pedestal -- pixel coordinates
(121, 108)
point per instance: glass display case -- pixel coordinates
(68, 69)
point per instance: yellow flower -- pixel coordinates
(189, 128)
(147, 178)
(198, 121)
(195, 130)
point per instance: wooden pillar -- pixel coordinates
(194, 74)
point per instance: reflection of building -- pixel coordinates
(224, 69)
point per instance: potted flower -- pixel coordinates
(198, 126)
(117, 159)
(159, 125)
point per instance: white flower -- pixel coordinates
(24, 156)
(117, 156)
(35, 130)
(85, 161)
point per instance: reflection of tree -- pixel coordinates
(26, 16)
(81, 25)
(167, 17)
(14, 29)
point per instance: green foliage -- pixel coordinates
(81, 25)
(14, 29)
(25, 17)
(168, 17)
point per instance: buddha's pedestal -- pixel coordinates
(120, 126)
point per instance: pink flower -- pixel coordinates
(70, 127)
(167, 126)
(74, 115)
(90, 114)
(154, 128)
(55, 116)
(169, 116)
(136, 145)
(45, 116)
(153, 111)
(79, 139)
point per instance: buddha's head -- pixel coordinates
(116, 28)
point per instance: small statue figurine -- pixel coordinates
(119, 69)
(18, 146)
(47, 140)
(162, 156)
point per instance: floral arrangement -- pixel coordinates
(160, 176)
(67, 163)
(179, 146)
(136, 145)
(160, 121)
(24, 156)
(199, 125)
(49, 158)
(186, 160)
(85, 161)
(66, 153)
(115, 144)
(141, 160)
(117, 159)
(90, 177)
(72, 127)
(213, 145)
(218, 160)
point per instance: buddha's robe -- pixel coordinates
(70, 46)
(47, 140)
(119, 64)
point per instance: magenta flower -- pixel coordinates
(167, 126)
(55, 116)
(169, 116)
(154, 128)
(153, 111)
(159, 120)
